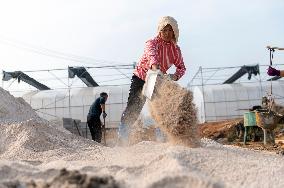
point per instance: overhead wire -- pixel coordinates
(54, 53)
(70, 57)
(61, 55)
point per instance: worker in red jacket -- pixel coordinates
(160, 54)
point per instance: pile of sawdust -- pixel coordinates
(174, 112)
(13, 109)
(23, 134)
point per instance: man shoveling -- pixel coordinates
(93, 119)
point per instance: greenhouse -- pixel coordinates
(75, 103)
(219, 93)
(227, 101)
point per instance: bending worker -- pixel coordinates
(160, 54)
(93, 118)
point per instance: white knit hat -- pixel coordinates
(169, 20)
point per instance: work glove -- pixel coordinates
(273, 72)
(158, 72)
(104, 114)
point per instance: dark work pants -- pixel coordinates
(95, 126)
(135, 101)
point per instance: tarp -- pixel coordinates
(83, 74)
(254, 69)
(22, 76)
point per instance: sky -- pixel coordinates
(51, 34)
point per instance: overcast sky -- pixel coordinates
(45, 34)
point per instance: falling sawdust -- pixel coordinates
(138, 133)
(174, 112)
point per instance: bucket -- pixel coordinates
(249, 119)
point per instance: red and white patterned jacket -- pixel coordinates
(164, 54)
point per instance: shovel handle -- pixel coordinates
(104, 131)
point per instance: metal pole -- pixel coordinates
(202, 85)
(69, 98)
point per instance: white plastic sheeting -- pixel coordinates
(75, 103)
(213, 102)
(227, 101)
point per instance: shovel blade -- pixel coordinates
(150, 83)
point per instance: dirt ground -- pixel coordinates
(231, 132)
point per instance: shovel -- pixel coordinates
(104, 131)
(150, 83)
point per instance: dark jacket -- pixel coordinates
(95, 108)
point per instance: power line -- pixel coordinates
(53, 53)
(65, 56)
(121, 66)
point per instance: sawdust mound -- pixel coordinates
(23, 133)
(35, 136)
(172, 108)
(14, 109)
